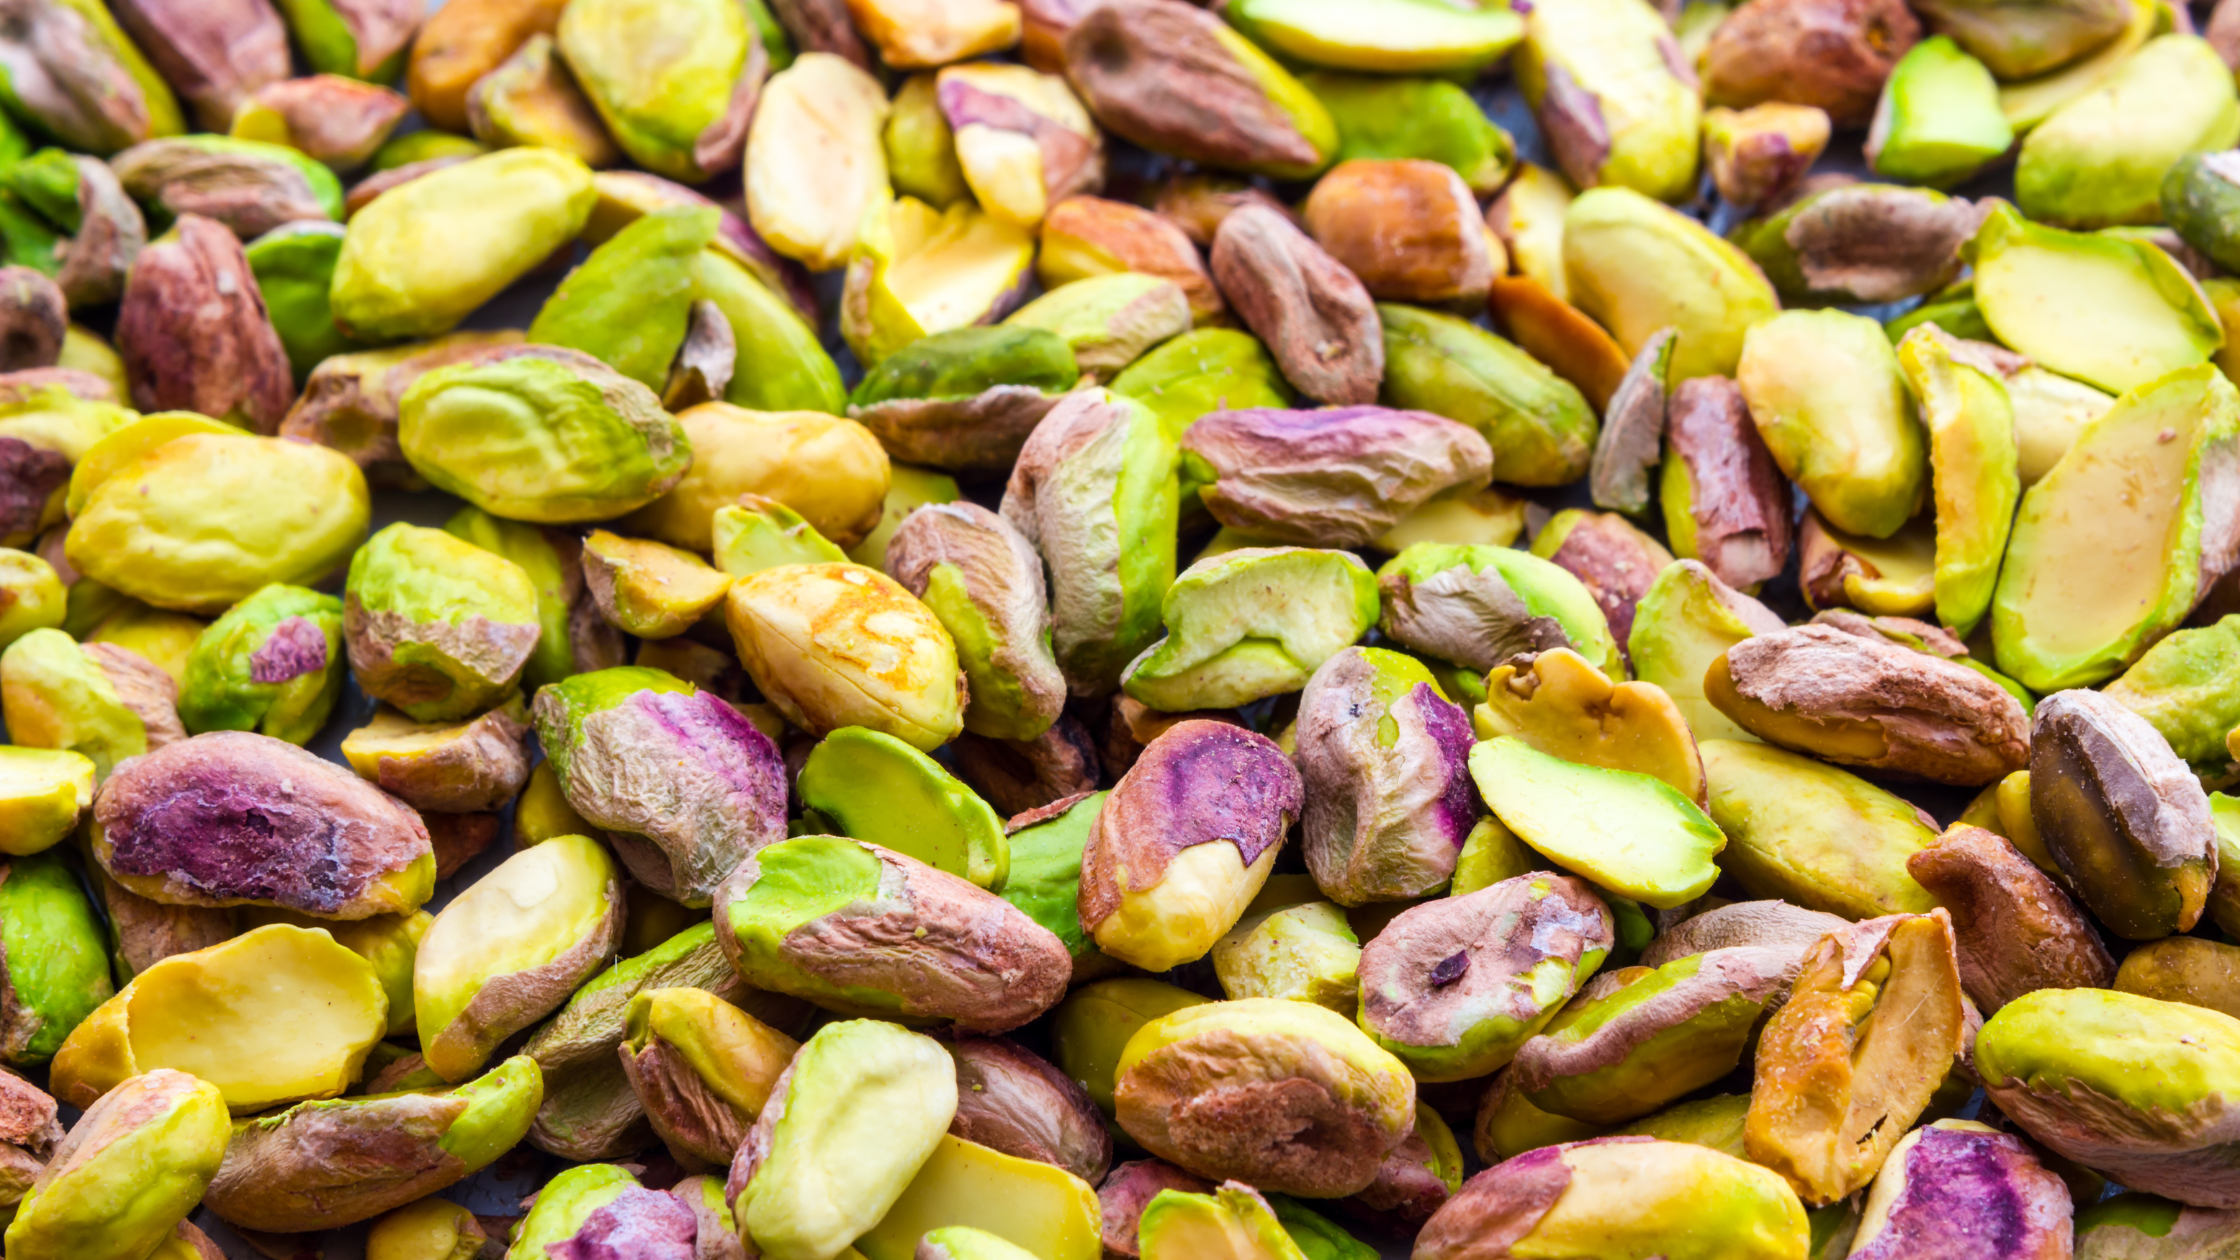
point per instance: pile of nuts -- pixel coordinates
(1111, 718)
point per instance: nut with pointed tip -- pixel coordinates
(1314, 314)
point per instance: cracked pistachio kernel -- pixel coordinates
(1041, 1209)
(1334, 477)
(1233, 1222)
(43, 791)
(1477, 606)
(1427, 118)
(1561, 705)
(983, 579)
(59, 974)
(702, 1068)
(830, 470)
(815, 161)
(1540, 427)
(1938, 121)
(1541, 799)
(965, 400)
(876, 788)
(1973, 464)
(672, 81)
(1094, 1023)
(1638, 267)
(309, 1010)
(1760, 154)
(1109, 321)
(2100, 160)
(470, 767)
(426, 1229)
(1826, 394)
(757, 533)
(1303, 953)
(1607, 85)
(1801, 831)
(2186, 688)
(31, 596)
(650, 589)
(55, 697)
(917, 271)
(1252, 623)
(805, 632)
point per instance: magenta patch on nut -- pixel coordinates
(296, 647)
(1445, 723)
(639, 1224)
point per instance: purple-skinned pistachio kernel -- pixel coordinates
(295, 647)
(1958, 1190)
(1337, 477)
(639, 1224)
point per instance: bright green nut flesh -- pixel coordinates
(964, 362)
(780, 366)
(437, 626)
(1386, 36)
(564, 1204)
(55, 697)
(1045, 876)
(1478, 605)
(1109, 321)
(1094, 1023)
(1232, 1223)
(2187, 686)
(1252, 623)
(1810, 834)
(2100, 160)
(630, 302)
(535, 550)
(1661, 854)
(56, 957)
(663, 77)
(877, 788)
(1206, 369)
(1430, 119)
(2105, 554)
(272, 664)
(1040, 1209)
(1540, 427)
(1974, 472)
(1938, 121)
(1613, 61)
(1685, 621)
(133, 1167)
(764, 535)
(294, 266)
(2201, 202)
(42, 793)
(1827, 397)
(1304, 953)
(1639, 267)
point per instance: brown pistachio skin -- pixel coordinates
(1154, 72)
(147, 931)
(1871, 703)
(1409, 228)
(1335, 477)
(250, 195)
(194, 334)
(2124, 817)
(1737, 494)
(1615, 562)
(1831, 53)
(28, 1134)
(1003, 579)
(457, 838)
(1405, 1194)
(337, 120)
(1314, 315)
(1142, 240)
(233, 816)
(1763, 924)
(374, 185)
(1125, 1192)
(1197, 203)
(1017, 776)
(2016, 930)
(1631, 443)
(33, 316)
(151, 694)
(1015, 1101)
(980, 434)
(215, 52)
(373, 1155)
(822, 26)
(111, 235)
(1878, 242)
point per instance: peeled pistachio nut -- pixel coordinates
(1539, 797)
(532, 99)
(1836, 1087)
(2184, 969)
(128, 1173)
(318, 1165)
(1619, 106)
(1558, 333)
(1892, 577)
(1972, 458)
(702, 1068)
(454, 768)
(694, 785)
(2073, 1068)
(573, 638)
(43, 791)
(1410, 229)
(1012, 1100)
(1175, 80)
(1491, 517)
(1302, 953)
(1252, 623)
(302, 1013)
(294, 267)
(426, 1229)
(1639, 267)
(46, 427)
(194, 333)
(1834, 54)
(503, 215)
(143, 687)
(814, 159)
(1614, 1056)
(1540, 428)
(249, 186)
(1826, 394)
(921, 147)
(2023, 42)
(1561, 705)
(337, 121)
(31, 595)
(458, 44)
(1287, 1093)
(1184, 842)
(1234, 1222)
(873, 787)
(1047, 1210)
(1528, 217)
(983, 580)
(2018, 932)
(508, 950)
(2180, 686)
(67, 215)
(1725, 499)
(58, 975)
(1129, 1190)
(349, 401)
(2194, 196)
(650, 589)
(853, 1118)
(2113, 312)
(1109, 321)
(584, 1034)
(832, 471)
(233, 818)
(807, 632)
(79, 79)
(1084, 237)
(1760, 154)
(1957, 1187)
(1393, 37)
(271, 664)
(631, 304)
(625, 196)
(597, 1206)
(757, 533)
(2150, 1228)
(2099, 161)
(779, 365)
(1938, 121)
(1095, 490)
(1508, 1125)
(1201, 372)
(1812, 835)
(1314, 315)
(1022, 139)
(1872, 704)
(965, 399)
(1478, 606)
(437, 626)
(1454, 986)
(2128, 823)
(1046, 843)
(1427, 118)
(678, 107)
(1385, 813)
(1094, 1024)
(917, 271)
(388, 941)
(57, 696)
(1861, 242)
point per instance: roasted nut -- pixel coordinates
(702, 1068)
(2069, 1066)
(1616, 562)
(1939, 121)
(248, 186)
(2184, 969)
(1760, 154)
(349, 401)
(1084, 237)
(693, 785)
(1834, 55)
(321, 1165)
(1813, 835)
(1478, 606)
(362, 40)
(1633, 427)
(460, 768)
(1426, 118)
(1252, 623)
(1287, 1093)
(1640, 1194)
(531, 99)
(43, 791)
(1045, 877)
(1870, 703)
(2126, 820)
(965, 399)
(650, 589)
(873, 787)
(460, 43)
(1014, 1101)
(1725, 500)
(507, 951)
(1022, 139)
(835, 645)
(983, 580)
(1639, 267)
(2099, 161)
(131, 1169)
(34, 317)
(437, 626)
(1385, 814)
(756, 534)
(1561, 705)
(1825, 392)
(814, 159)
(1882, 577)
(830, 470)
(73, 220)
(59, 975)
(1176, 80)
(1300, 953)
(1618, 104)
(1559, 334)
(1314, 315)
(1959, 1187)
(1129, 1190)
(194, 333)
(303, 1014)
(1410, 229)
(2018, 932)
(946, 950)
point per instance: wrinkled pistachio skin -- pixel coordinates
(272, 664)
(132, 1168)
